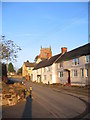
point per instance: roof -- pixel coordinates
(28, 64)
(46, 62)
(80, 51)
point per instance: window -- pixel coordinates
(75, 73)
(75, 61)
(61, 64)
(29, 68)
(50, 77)
(58, 65)
(47, 55)
(44, 69)
(49, 68)
(88, 58)
(82, 72)
(60, 74)
(87, 72)
(45, 77)
(78, 60)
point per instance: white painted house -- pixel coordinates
(65, 68)
(45, 71)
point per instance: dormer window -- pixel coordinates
(60, 65)
(75, 61)
(49, 68)
(88, 58)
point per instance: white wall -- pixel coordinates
(48, 75)
(63, 80)
(78, 80)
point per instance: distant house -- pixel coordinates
(27, 70)
(66, 68)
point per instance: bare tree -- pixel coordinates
(9, 50)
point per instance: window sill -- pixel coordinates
(87, 62)
(76, 65)
(74, 76)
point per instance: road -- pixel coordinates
(48, 103)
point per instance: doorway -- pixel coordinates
(39, 78)
(69, 77)
(31, 77)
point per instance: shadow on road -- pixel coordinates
(28, 108)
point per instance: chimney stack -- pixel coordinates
(63, 50)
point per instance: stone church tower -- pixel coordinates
(45, 53)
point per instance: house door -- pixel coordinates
(31, 77)
(69, 77)
(39, 78)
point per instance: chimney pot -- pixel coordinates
(63, 50)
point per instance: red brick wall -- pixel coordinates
(63, 49)
(45, 53)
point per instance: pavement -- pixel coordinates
(48, 102)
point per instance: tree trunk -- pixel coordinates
(7, 64)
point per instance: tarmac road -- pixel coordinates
(48, 103)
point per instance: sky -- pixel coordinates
(32, 25)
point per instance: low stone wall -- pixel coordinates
(4, 78)
(12, 94)
(15, 76)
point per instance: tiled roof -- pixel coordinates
(28, 64)
(80, 51)
(46, 62)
